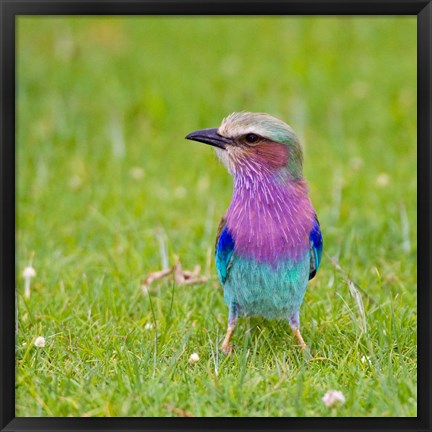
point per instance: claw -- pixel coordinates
(227, 348)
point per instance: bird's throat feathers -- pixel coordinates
(270, 216)
(267, 156)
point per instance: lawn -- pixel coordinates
(108, 191)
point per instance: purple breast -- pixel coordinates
(270, 219)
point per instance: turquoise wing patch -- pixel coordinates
(224, 251)
(316, 248)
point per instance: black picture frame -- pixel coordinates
(11, 9)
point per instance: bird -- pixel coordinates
(269, 242)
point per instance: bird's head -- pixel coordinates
(250, 141)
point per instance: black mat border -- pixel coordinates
(9, 10)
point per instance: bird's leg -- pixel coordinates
(294, 322)
(226, 346)
(299, 337)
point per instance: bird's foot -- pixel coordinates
(227, 348)
(305, 349)
(299, 338)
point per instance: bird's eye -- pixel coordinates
(251, 138)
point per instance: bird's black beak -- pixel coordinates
(209, 136)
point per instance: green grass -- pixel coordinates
(104, 175)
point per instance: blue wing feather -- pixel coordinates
(224, 251)
(316, 247)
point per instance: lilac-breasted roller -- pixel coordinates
(269, 242)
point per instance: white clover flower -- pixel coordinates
(39, 342)
(333, 397)
(28, 273)
(148, 326)
(194, 357)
